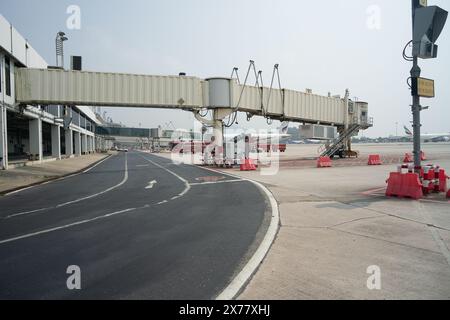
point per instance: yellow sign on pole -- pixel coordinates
(423, 87)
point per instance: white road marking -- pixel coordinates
(58, 179)
(187, 187)
(27, 212)
(239, 282)
(125, 178)
(216, 182)
(90, 168)
(151, 184)
(29, 235)
(20, 190)
(186, 183)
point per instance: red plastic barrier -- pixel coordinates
(408, 158)
(248, 165)
(448, 193)
(324, 162)
(412, 187)
(374, 160)
(404, 185)
(422, 156)
(394, 182)
(442, 180)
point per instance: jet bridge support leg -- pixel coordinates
(217, 146)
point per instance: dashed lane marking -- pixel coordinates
(125, 178)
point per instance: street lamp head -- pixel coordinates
(61, 34)
(64, 38)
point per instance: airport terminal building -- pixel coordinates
(35, 133)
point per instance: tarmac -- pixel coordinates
(337, 224)
(137, 227)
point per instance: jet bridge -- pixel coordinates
(223, 95)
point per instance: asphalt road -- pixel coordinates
(137, 225)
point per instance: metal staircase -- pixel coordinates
(336, 144)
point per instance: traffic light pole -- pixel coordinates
(415, 73)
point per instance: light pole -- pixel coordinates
(59, 43)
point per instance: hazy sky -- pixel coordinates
(325, 45)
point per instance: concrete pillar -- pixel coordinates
(93, 144)
(35, 127)
(56, 142)
(84, 148)
(77, 136)
(3, 139)
(69, 142)
(90, 144)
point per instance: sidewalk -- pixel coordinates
(336, 222)
(29, 175)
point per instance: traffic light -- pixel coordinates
(428, 25)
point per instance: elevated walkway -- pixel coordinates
(54, 86)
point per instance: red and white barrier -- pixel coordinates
(431, 179)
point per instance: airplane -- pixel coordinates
(270, 136)
(185, 136)
(429, 137)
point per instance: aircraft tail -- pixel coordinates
(407, 131)
(284, 127)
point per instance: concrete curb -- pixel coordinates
(45, 181)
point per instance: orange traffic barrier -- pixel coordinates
(374, 160)
(408, 158)
(324, 162)
(248, 165)
(404, 185)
